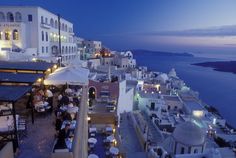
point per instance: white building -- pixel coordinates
(91, 47)
(27, 31)
(124, 60)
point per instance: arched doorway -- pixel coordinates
(92, 93)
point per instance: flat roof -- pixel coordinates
(30, 66)
(11, 77)
(193, 105)
(171, 98)
(13, 93)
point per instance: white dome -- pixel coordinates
(172, 73)
(163, 77)
(189, 134)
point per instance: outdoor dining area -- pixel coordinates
(66, 113)
(102, 143)
(33, 90)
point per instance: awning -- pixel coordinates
(29, 66)
(13, 93)
(68, 75)
(10, 77)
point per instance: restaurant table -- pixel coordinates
(72, 124)
(41, 106)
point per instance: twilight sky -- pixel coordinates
(171, 25)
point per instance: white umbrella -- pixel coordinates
(111, 138)
(114, 150)
(92, 140)
(68, 75)
(93, 156)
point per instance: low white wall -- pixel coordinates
(7, 151)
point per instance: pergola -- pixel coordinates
(26, 67)
(12, 94)
(19, 78)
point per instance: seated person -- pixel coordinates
(63, 134)
(66, 116)
(58, 123)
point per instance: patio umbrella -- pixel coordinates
(68, 75)
(92, 140)
(93, 156)
(114, 150)
(111, 138)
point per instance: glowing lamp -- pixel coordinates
(198, 113)
(39, 80)
(88, 118)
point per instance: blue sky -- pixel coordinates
(169, 25)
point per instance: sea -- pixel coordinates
(217, 89)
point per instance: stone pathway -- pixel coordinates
(40, 138)
(129, 138)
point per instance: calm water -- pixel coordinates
(215, 88)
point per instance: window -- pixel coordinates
(7, 35)
(41, 19)
(66, 50)
(56, 24)
(10, 17)
(42, 36)
(51, 22)
(63, 27)
(46, 36)
(182, 150)
(46, 49)
(15, 35)
(18, 17)
(62, 50)
(2, 17)
(30, 17)
(46, 20)
(42, 49)
(66, 28)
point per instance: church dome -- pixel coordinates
(190, 134)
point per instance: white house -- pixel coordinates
(91, 47)
(28, 31)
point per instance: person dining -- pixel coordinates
(65, 132)
(58, 123)
(49, 96)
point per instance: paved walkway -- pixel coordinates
(129, 138)
(156, 135)
(40, 139)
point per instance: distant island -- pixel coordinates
(160, 53)
(224, 66)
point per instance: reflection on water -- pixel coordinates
(216, 88)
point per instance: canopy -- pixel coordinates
(19, 77)
(71, 75)
(32, 66)
(13, 93)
